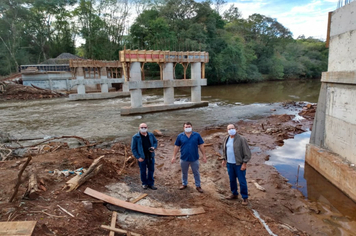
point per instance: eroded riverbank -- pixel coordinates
(284, 209)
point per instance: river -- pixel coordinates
(100, 119)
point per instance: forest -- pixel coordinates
(240, 50)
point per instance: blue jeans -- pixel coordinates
(234, 172)
(147, 179)
(195, 168)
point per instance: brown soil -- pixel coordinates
(13, 91)
(284, 209)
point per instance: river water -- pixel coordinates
(101, 120)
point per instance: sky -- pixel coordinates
(301, 17)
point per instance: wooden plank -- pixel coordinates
(113, 223)
(139, 198)
(17, 228)
(119, 230)
(143, 209)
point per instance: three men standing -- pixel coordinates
(236, 154)
(143, 145)
(189, 142)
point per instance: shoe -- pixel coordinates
(144, 186)
(182, 187)
(199, 189)
(152, 187)
(245, 202)
(231, 197)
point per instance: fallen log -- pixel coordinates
(144, 209)
(78, 180)
(19, 178)
(32, 191)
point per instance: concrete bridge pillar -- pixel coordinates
(80, 78)
(196, 75)
(168, 93)
(104, 85)
(135, 76)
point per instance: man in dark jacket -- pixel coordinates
(236, 153)
(143, 145)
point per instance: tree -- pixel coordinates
(232, 14)
(13, 16)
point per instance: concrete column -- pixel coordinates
(196, 75)
(80, 78)
(104, 85)
(168, 93)
(135, 76)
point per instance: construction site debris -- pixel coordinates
(32, 191)
(143, 209)
(16, 188)
(14, 91)
(78, 180)
(120, 230)
(23, 228)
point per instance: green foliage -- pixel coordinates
(240, 50)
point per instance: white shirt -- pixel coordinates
(230, 151)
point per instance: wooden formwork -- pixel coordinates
(74, 63)
(113, 68)
(162, 56)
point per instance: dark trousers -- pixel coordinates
(234, 172)
(147, 168)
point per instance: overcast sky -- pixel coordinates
(308, 17)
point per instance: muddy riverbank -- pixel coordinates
(284, 209)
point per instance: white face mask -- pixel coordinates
(188, 130)
(232, 131)
(143, 130)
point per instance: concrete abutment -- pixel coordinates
(332, 148)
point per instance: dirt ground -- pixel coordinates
(284, 210)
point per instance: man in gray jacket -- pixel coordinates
(236, 154)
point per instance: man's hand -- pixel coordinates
(223, 163)
(173, 160)
(204, 159)
(140, 159)
(243, 166)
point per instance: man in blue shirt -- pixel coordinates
(143, 145)
(189, 142)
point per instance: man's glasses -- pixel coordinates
(143, 127)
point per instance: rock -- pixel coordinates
(161, 145)
(314, 208)
(156, 132)
(267, 158)
(4, 137)
(88, 205)
(20, 152)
